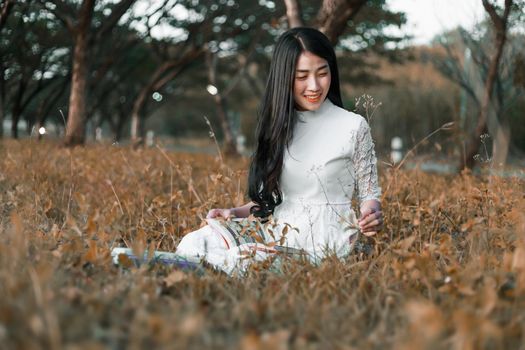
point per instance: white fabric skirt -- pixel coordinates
(206, 244)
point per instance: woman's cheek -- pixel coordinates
(327, 81)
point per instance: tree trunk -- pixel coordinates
(16, 109)
(5, 9)
(15, 118)
(500, 26)
(118, 126)
(138, 131)
(500, 145)
(229, 145)
(164, 74)
(76, 117)
(159, 78)
(293, 13)
(331, 19)
(334, 15)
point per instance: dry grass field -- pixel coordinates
(448, 271)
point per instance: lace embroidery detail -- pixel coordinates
(365, 165)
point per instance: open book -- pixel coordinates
(249, 236)
(243, 232)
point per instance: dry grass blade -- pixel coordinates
(448, 270)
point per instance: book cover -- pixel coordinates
(165, 258)
(245, 232)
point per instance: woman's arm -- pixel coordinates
(369, 192)
(242, 211)
(239, 212)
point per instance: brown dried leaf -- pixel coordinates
(125, 261)
(91, 255)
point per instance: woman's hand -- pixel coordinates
(238, 212)
(371, 220)
(220, 213)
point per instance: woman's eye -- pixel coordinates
(324, 74)
(301, 78)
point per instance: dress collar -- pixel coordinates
(320, 111)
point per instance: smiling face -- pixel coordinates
(311, 83)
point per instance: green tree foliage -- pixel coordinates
(127, 62)
(242, 60)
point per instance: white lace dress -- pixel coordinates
(331, 157)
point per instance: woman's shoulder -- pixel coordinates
(346, 117)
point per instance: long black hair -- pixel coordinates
(277, 117)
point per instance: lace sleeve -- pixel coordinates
(365, 165)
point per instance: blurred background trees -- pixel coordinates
(483, 64)
(120, 68)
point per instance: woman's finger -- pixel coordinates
(370, 218)
(369, 233)
(375, 225)
(212, 214)
(215, 213)
(366, 212)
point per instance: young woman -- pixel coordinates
(311, 156)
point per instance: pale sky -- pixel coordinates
(426, 18)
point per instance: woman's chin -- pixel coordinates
(309, 105)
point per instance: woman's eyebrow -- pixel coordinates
(306, 70)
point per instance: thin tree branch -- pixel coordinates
(118, 11)
(246, 60)
(63, 11)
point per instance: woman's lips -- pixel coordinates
(313, 98)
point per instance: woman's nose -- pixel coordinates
(313, 84)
